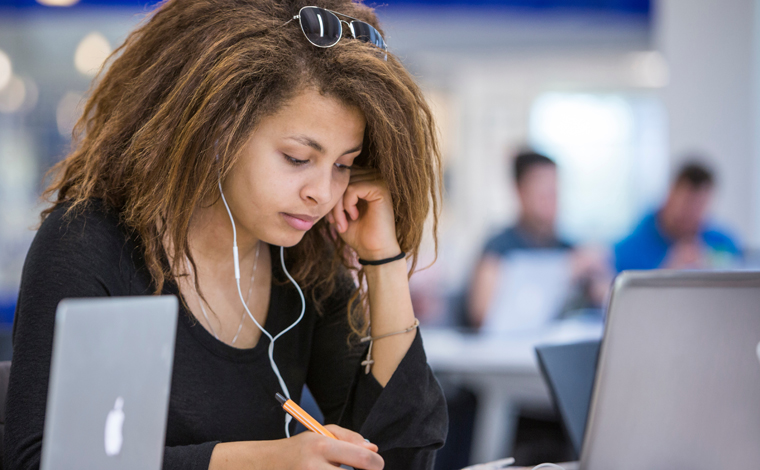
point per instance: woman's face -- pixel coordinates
(294, 168)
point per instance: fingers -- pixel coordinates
(339, 216)
(350, 203)
(348, 208)
(350, 454)
(369, 192)
(347, 435)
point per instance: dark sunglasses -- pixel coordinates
(323, 28)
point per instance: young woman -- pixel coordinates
(293, 135)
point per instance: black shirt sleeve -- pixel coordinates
(85, 255)
(407, 418)
(64, 260)
(409, 421)
(188, 457)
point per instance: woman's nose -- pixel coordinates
(319, 187)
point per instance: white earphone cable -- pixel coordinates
(247, 300)
(276, 370)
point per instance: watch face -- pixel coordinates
(113, 431)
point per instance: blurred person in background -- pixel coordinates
(678, 235)
(535, 177)
(539, 437)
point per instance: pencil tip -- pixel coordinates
(280, 398)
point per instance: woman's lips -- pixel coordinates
(299, 221)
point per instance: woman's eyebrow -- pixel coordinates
(355, 149)
(309, 142)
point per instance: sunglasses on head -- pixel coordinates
(323, 28)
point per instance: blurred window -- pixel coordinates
(612, 154)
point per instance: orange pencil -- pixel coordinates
(303, 417)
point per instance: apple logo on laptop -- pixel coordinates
(114, 424)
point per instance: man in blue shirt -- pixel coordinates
(677, 236)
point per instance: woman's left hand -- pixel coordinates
(364, 217)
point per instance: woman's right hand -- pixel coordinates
(306, 451)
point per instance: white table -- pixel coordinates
(503, 372)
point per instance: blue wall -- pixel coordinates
(628, 7)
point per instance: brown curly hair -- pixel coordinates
(193, 81)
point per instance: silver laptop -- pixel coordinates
(678, 379)
(109, 383)
(533, 286)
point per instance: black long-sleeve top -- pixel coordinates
(218, 393)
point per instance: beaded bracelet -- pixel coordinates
(365, 262)
(367, 363)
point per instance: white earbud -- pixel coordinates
(236, 258)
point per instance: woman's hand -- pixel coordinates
(364, 216)
(309, 450)
(306, 451)
(365, 220)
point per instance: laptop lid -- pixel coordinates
(109, 383)
(532, 287)
(678, 381)
(569, 371)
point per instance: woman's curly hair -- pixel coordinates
(192, 82)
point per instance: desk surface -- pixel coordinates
(454, 351)
(504, 373)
